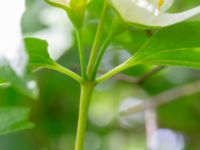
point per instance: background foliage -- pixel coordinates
(55, 112)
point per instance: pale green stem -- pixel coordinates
(100, 56)
(86, 93)
(127, 64)
(97, 41)
(81, 52)
(61, 69)
(111, 73)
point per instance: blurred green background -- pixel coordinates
(55, 112)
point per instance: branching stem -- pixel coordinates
(164, 97)
(100, 56)
(97, 41)
(116, 70)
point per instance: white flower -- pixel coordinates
(151, 12)
(10, 34)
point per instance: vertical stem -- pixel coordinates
(100, 56)
(81, 52)
(151, 128)
(86, 93)
(97, 40)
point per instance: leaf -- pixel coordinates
(14, 119)
(178, 45)
(38, 53)
(37, 50)
(22, 85)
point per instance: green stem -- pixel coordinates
(101, 53)
(81, 52)
(86, 93)
(114, 71)
(61, 69)
(97, 40)
(116, 28)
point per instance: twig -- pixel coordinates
(151, 127)
(126, 78)
(141, 80)
(149, 74)
(165, 97)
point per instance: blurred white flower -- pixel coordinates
(169, 140)
(59, 33)
(151, 12)
(10, 35)
(132, 120)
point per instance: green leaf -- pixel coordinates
(14, 119)
(19, 83)
(37, 50)
(38, 53)
(178, 45)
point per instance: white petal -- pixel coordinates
(166, 19)
(144, 12)
(136, 11)
(10, 33)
